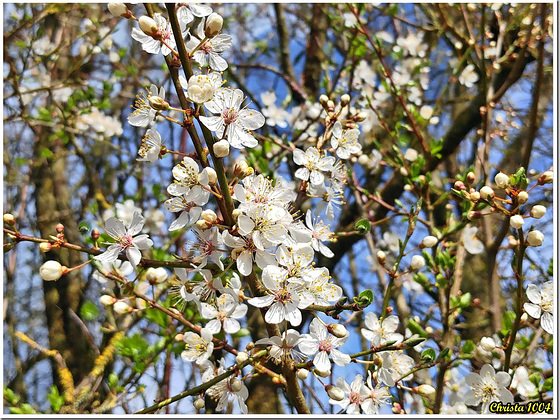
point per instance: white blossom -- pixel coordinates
(488, 386)
(198, 348)
(542, 304)
(323, 344)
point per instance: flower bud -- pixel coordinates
(121, 307)
(475, 196)
(330, 105)
(538, 211)
(535, 238)
(524, 317)
(338, 330)
(45, 246)
(501, 180)
(236, 213)
(486, 193)
(158, 103)
(417, 262)
(344, 100)
(59, 228)
(221, 148)
(546, 178)
(95, 234)
(156, 275)
(362, 116)
(381, 257)
(470, 177)
(203, 225)
(241, 357)
(235, 384)
(471, 215)
(516, 221)
(403, 171)
(242, 169)
(199, 404)
(407, 187)
(212, 175)
(200, 88)
(9, 219)
(302, 374)
(522, 197)
(209, 216)
(52, 270)
(425, 390)
(335, 393)
(179, 337)
(411, 155)
(429, 241)
(487, 343)
(363, 159)
(147, 25)
(107, 300)
(118, 9)
(322, 373)
(323, 99)
(214, 24)
(459, 185)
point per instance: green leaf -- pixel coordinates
(548, 384)
(89, 311)
(46, 153)
(56, 400)
(366, 297)
(85, 227)
(415, 328)
(465, 300)
(428, 355)
(112, 381)
(363, 226)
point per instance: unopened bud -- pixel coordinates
(45, 246)
(538, 211)
(487, 343)
(203, 225)
(156, 275)
(241, 357)
(470, 177)
(9, 219)
(360, 117)
(60, 228)
(117, 9)
(236, 213)
(459, 185)
(302, 374)
(335, 393)
(221, 148)
(363, 159)
(338, 330)
(425, 390)
(107, 300)
(381, 257)
(212, 175)
(242, 169)
(209, 215)
(52, 270)
(323, 99)
(214, 24)
(147, 25)
(322, 373)
(501, 180)
(486, 193)
(471, 215)
(235, 384)
(403, 171)
(158, 103)
(516, 221)
(330, 105)
(121, 307)
(524, 317)
(429, 241)
(475, 196)
(535, 238)
(95, 234)
(522, 197)
(199, 404)
(179, 337)
(344, 100)
(546, 178)
(417, 262)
